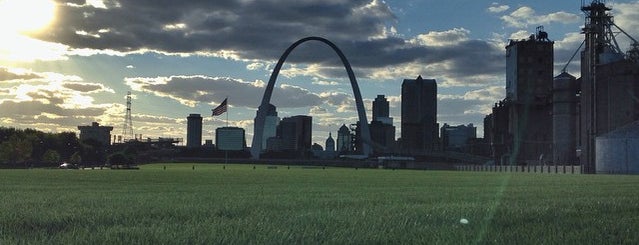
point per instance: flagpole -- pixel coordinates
(227, 111)
(226, 152)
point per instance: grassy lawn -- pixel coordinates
(242, 205)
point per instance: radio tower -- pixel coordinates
(127, 130)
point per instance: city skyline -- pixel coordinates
(188, 58)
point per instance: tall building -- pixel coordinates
(101, 134)
(381, 110)
(270, 125)
(230, 139)
(194, 130)
(529, 86)
(381, 127)
(344, 140)
(296, 133)
(383, 136)
(456, 138)
(419, 115)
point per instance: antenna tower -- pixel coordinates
(127, 130)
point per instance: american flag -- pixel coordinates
(220, 109)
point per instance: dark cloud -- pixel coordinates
(44, 103)
(6, 74)
(85, 87)
(192, 90)
(261, 30)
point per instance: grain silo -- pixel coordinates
(564, 107)
(617, 152)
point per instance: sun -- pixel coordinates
(23, 16)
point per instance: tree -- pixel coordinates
(16, 150)
(51, 156)
(118, 159)
(75, 159)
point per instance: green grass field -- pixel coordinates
(242, 205)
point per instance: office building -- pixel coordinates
(194, 130)
(101, 134)
(344, 140)
(270, 125)
(381, 127)
(296, 134)
(381, 110)
(456, 138)
(230, 139)
(419, 116)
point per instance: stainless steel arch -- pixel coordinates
(256, 145)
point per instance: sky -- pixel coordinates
(66, 63)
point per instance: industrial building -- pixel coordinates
(419, 116)
(564, 119)
(609, 88)
(568, 120)
(529, 78)
(101, 134)
(618, 151)
(194, 130)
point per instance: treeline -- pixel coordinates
(30, 147)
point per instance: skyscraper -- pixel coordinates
(344, 140)
(296, 133)
(270, 125)
(194, 130)
(419, 115)
(381, 127)
(381, 110)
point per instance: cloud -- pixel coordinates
(496, 8)
(197, 89)
(317, 81)
(87, 87)
(443, 38)
(58, 102)
(318, 111)
(50, 101)
(470, 107)
(525, 16)
(257, 32)
(628, 19)
(7, 74)
(211, 26)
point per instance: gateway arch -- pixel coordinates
(256, 145)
